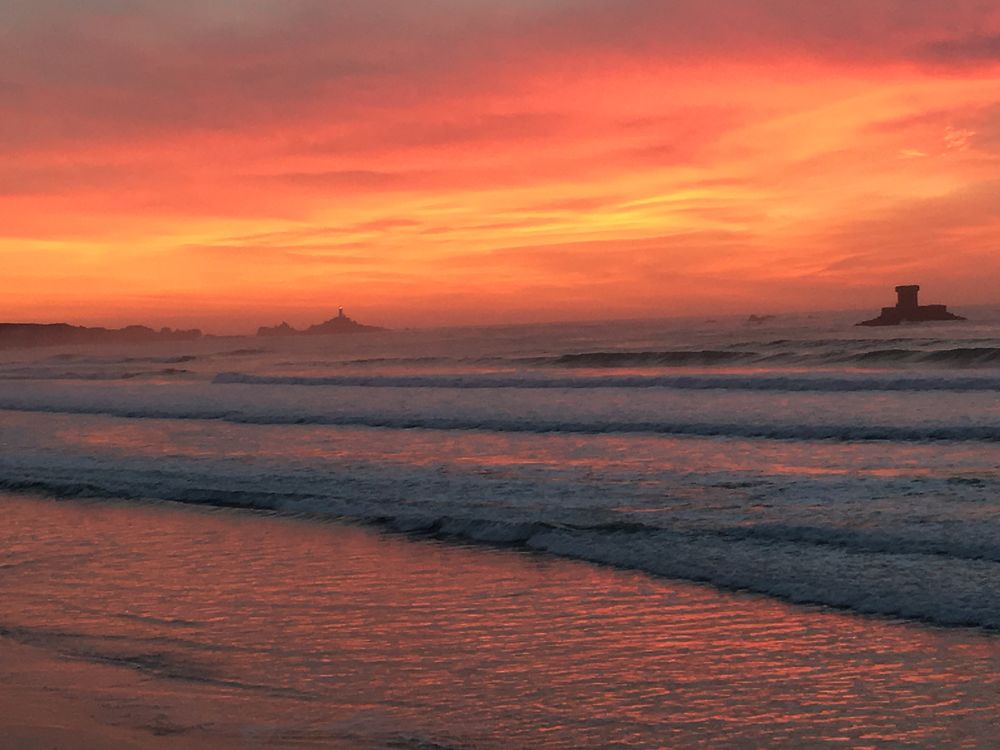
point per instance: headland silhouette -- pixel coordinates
(57, 334)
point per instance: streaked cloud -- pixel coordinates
(657, 156)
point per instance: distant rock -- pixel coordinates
(756, 320)
(59, 334)
(283, 330)
(909, 310)
(339, 325)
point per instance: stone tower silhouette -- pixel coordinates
(907, 297)
(909, 310)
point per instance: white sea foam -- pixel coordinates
(527, 423)
(736, 382)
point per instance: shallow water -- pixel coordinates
(276, 632)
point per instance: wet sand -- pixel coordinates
(133, 625)
(49, 703)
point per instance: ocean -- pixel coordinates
(838, 472)
(802, 458)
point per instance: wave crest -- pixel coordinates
(735, 382)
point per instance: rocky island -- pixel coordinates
(909, 310)
(339, 325)
(59, 334)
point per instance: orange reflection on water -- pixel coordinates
(242, 623)
(493, 450)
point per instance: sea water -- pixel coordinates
(801, 458)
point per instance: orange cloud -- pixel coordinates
(491, 160)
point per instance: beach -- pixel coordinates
(500, 375)
(152, 625)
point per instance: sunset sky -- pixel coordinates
(229, 163)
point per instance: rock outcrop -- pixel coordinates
(339, 325)
(909, 310)
(282, 330)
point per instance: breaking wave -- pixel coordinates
(98, 375)
(944, 582)
(788, 352)
(961, 357)
(776, 431)
(797, 353)
(83, 359)
(737, 382)
(655, 359)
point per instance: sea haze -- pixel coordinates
(801, 458)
